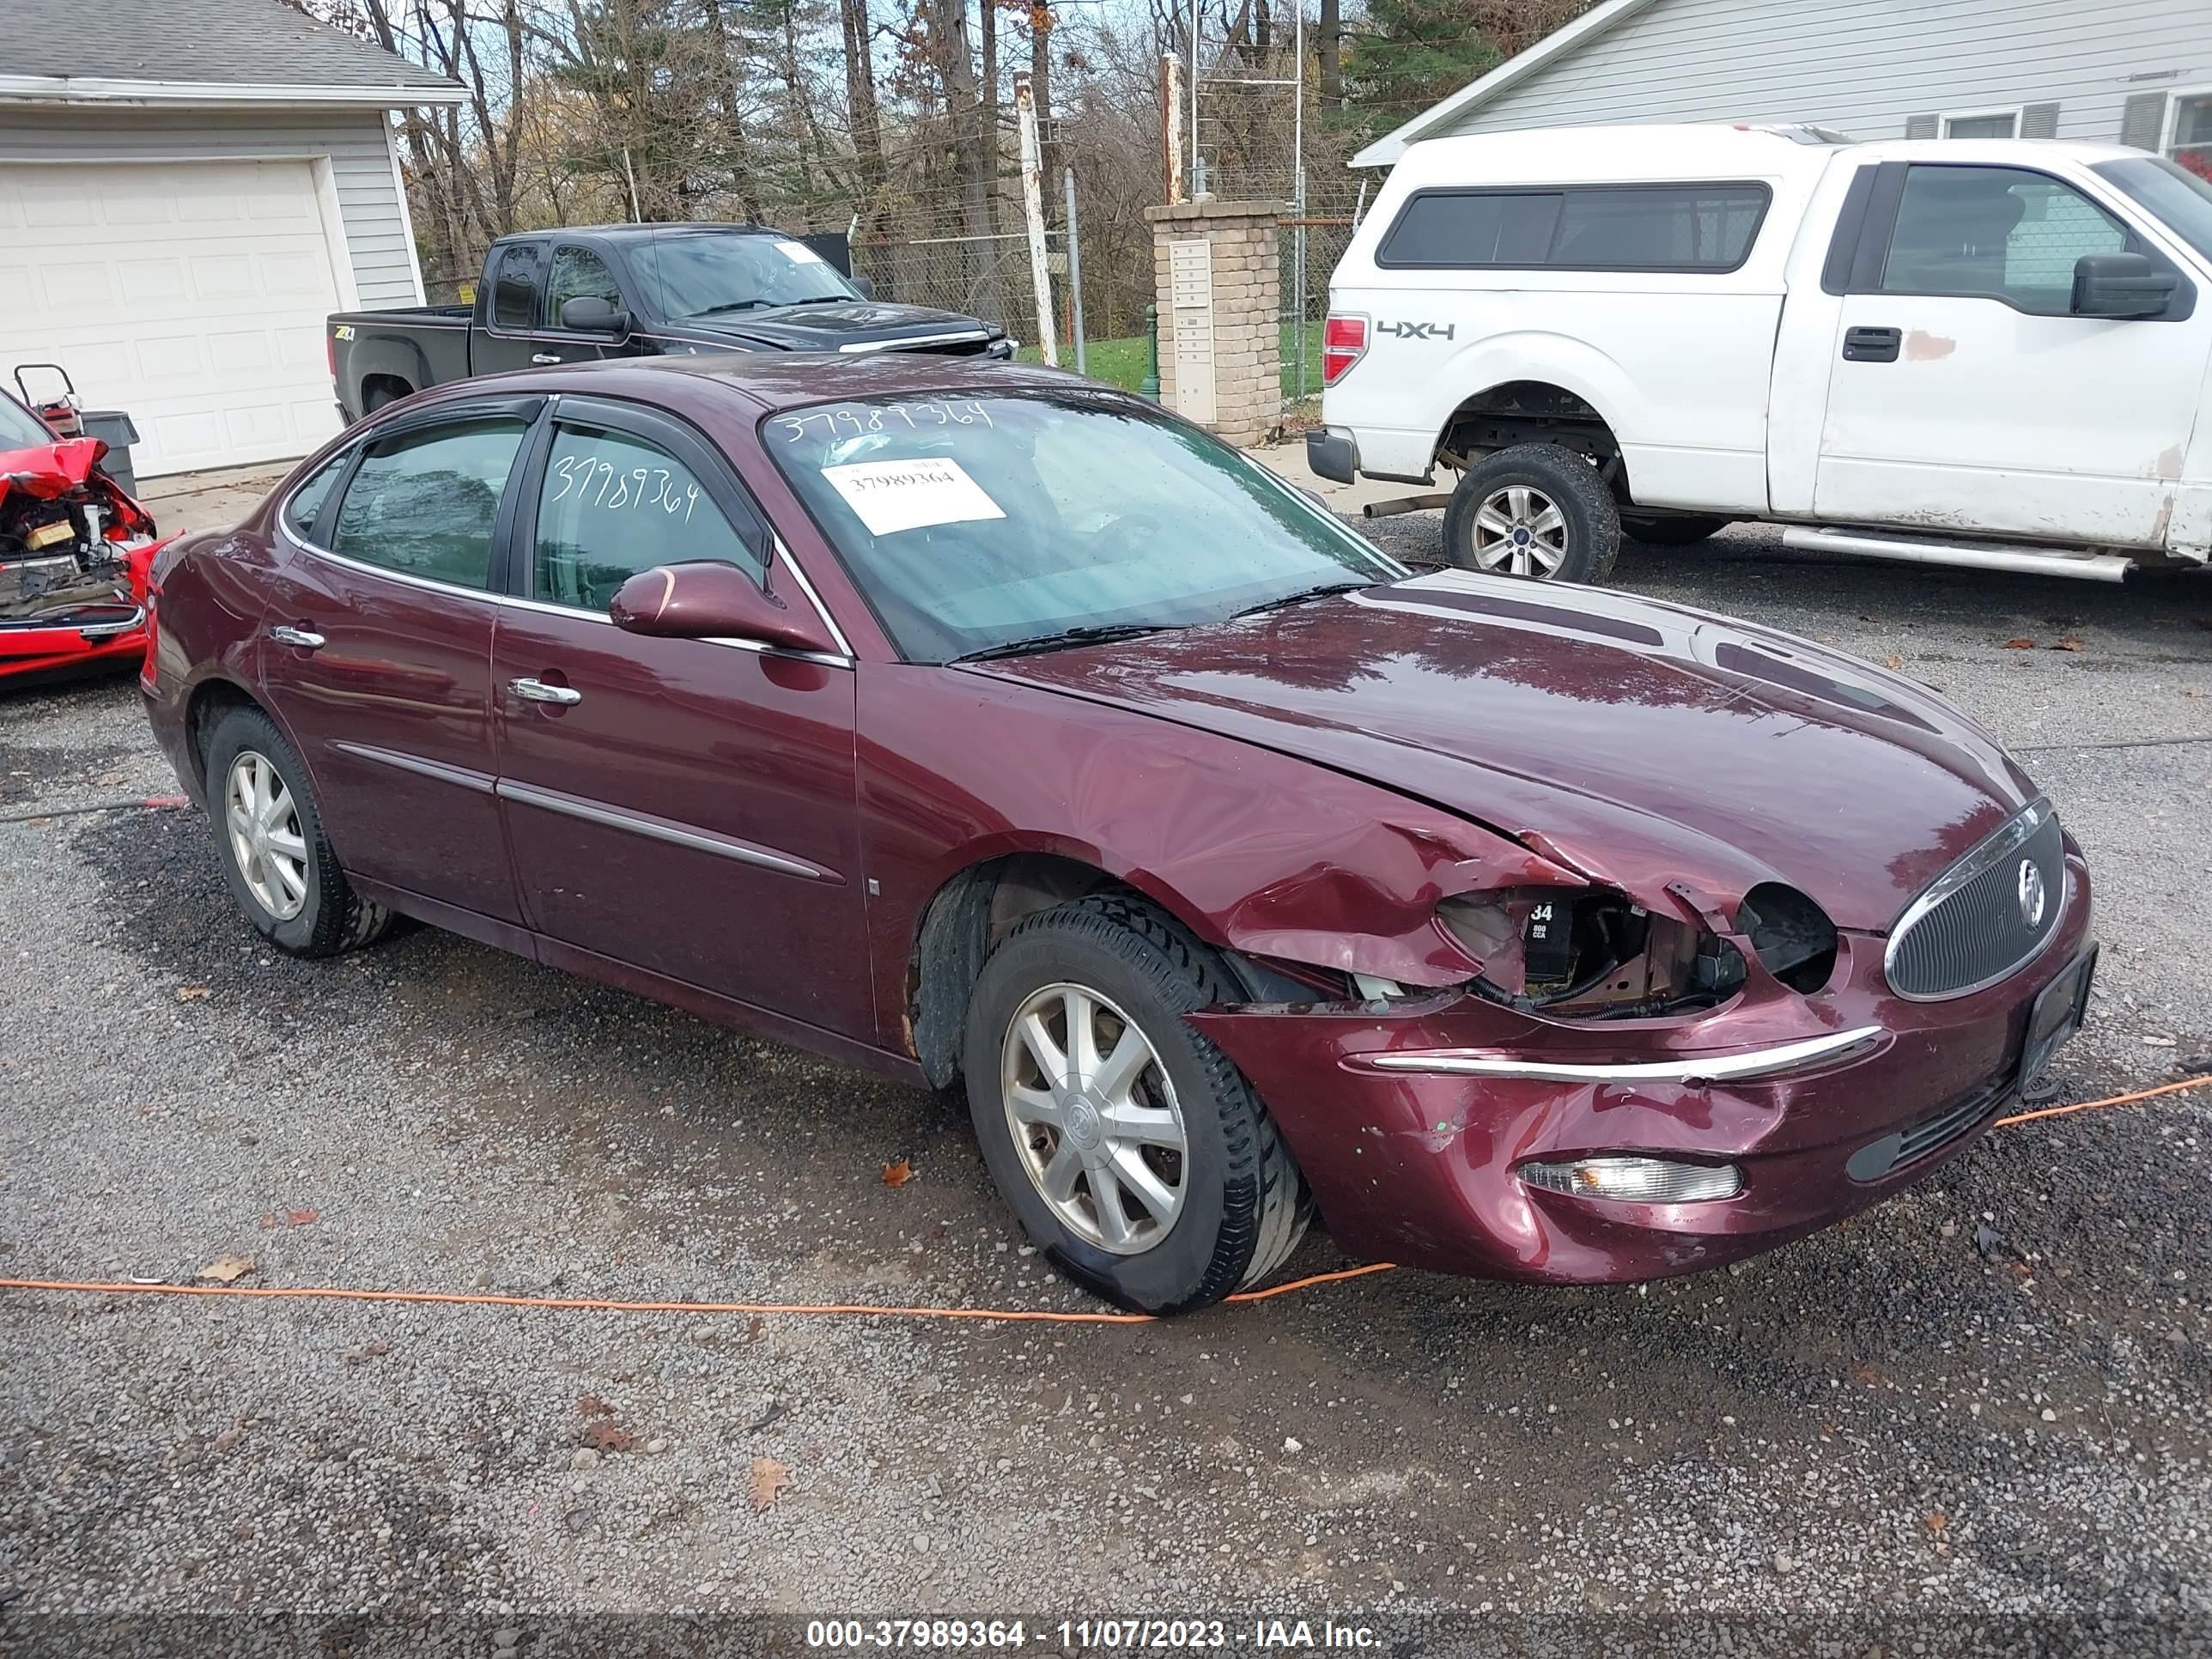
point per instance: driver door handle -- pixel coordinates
(538, 691)
(544, 358)
(304, 638)
(1871, 345)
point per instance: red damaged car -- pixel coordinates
(984, 725)
(74, 552)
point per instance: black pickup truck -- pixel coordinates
(565, 296)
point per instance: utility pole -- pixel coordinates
(1033, 210)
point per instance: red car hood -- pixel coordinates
(1644, 743)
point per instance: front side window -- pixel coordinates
(695, 274)
(422, 503)
(613, 505)
(2000, 233)
(1579, 227)
(578, 274)
(972, 523)
(514, 291)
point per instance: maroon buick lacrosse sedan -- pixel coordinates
(987, 726)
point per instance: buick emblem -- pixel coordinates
(2031, 893)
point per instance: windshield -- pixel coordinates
(974, 522)
(19, 429)
(2181, 200)
(695, 274)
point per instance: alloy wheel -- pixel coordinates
(1094, 1118)
(1519, 530)
(265, 839)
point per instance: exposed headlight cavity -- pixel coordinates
(1793, 936)
(1588, 952)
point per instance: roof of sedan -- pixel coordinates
(790, 379)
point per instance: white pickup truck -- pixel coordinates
(1983, 353)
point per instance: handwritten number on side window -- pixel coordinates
(640, 487)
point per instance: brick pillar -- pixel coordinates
(1219, 285)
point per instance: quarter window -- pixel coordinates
(300, 512)
(422, 503)
(1708, 227)
(515, 293)
(613, 505)
(2003, 233)
(578, 274)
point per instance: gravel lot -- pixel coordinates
(1988, 1397)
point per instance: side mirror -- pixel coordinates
(587, 313)
(708, 599)
(2121, 285)
(867, 287)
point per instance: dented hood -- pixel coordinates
(1644, 743)
(50, 470)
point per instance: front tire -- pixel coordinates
(1134, 1153)
(1535, 510)
(270, 833)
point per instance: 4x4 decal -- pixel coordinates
(1416, 330)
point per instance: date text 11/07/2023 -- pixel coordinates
(1132, 1635)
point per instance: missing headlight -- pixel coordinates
(1793, 936)
(1589, 953)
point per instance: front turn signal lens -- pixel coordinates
(1637, 1180)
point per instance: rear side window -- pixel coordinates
(1703, 227)
(422, 503)
(613, 505)
(514, 291)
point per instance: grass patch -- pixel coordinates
(1122, 362)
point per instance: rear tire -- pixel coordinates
(1156, 1100)
(1673, 531)
(1538, 511)
(269, 835)
(378, 396)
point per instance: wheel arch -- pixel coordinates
(976, 906)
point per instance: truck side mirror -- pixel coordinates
(2121, 285)
(587, 313)
(867, 288)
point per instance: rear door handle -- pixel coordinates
(304, 638)
(1871, 345)
(538, 691)
(544, 358)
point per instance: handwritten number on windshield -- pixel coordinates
(852, 421)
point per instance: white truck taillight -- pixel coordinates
(1343, 343)
(1343, 340)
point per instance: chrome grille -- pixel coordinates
(1976, 923)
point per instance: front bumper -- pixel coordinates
(1418, 1167)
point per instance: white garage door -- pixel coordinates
(189, 295)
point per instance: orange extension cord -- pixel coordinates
(315, 1293)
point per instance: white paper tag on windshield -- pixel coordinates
(800, 254)
(894, 495)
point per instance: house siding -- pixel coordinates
(374, 218)
(1869, 67)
